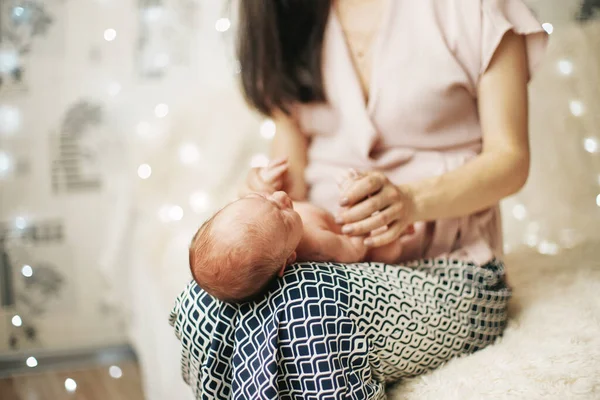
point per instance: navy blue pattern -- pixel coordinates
(333, 331)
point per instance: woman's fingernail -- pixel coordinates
(347, 229)
(368, 242)
(344, 202)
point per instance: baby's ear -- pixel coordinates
(281, 271)
(291, 259)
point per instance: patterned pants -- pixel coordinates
(332, 331)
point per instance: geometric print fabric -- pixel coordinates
(339, 331)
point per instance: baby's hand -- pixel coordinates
(274, 173)
(358, 243)
(348, 178)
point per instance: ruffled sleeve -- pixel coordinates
(501, 16)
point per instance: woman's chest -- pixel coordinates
(416, 83)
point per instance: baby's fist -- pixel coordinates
(274, 173)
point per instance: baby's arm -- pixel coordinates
(322, 239)
(319, 244)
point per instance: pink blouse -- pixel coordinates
(421, 118)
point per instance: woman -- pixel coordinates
(428, 99)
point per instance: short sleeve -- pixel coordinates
(501, 16)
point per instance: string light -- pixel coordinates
(6, 164)
(565, 67)
(199, 202)
(189, 154)
(268, 129)
(576, 107)
(531, 239)
(161, 110)
(31, 362)
(590, 145)
(17, 321)
(18, 12)
(115, 372)
(532, 234)
(222, 24)
(20, 223)
(27, 271)
(519, 212)
(70, 385)
(259, 161)
(114, 89)
(9, 60)
(169, 213)
(144, 171)
(176, 213)
(153, 14)
(598, 200)
(548, 248)
(110, 35)
(548, 27)
(10, 120)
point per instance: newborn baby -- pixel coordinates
(237, 253)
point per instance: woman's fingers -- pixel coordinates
(379, 231)
(374, 222)
(362, 187)
(367, 207)
(393, 233)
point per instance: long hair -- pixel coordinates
(279, 47)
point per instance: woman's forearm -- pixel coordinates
(503, 166)
(473, 187)
(291, 143)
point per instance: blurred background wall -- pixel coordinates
(122, 129)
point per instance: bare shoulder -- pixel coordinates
(316, 216)
(304, 208)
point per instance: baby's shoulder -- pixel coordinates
(311, 211)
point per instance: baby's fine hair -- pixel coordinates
(232, 275)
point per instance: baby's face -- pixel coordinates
(273, 215)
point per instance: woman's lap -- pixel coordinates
(339, 331)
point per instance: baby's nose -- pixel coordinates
(282, 199)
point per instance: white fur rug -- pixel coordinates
(551, 347)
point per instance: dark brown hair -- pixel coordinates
(280, 46)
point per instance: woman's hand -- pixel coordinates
(374, 205)
(267, 179)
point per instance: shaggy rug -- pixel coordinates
(551, 347)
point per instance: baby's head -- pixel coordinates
(237, 253)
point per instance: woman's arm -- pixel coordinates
(500, 170)
(503, 166)
(290, 142)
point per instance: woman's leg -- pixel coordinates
(297, 343)
(420, 315)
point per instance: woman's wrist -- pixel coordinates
(415, 199)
